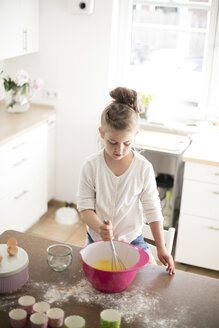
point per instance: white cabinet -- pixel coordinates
(18, 27)
(51, 156)
(198, 230)
(23, 176)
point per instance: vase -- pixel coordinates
(144, 114)
(17, 101)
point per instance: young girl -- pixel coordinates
(118, 184)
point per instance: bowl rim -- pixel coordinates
(141, 262)
(68, 250)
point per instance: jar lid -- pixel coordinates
(11, 265)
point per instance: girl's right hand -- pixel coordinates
(106, 230)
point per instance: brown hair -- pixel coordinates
(123, 112)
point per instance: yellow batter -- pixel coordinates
(105, 265)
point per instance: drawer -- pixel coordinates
(24, 206)
(22, 158)
(200, 199)
(202, 172)
(198, 242)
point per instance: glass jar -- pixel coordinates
(59, 256)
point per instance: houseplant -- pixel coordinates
(20, 91)
(146, 99)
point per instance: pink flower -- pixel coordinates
(21, 78)
(38, 83)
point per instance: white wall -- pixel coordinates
(1, 81)
(74, 58)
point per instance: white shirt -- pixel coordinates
(124, 200)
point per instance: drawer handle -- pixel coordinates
(51, 123)
(213, 228)
(216, 192)
(25, 40)
(19, 145)
(21, 194)
(20, 162)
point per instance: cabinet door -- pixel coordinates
(11, 37)
(18, 27)
(202, 172)
(22, 158)
(200, 199)
(24, 206)
(198, 242)
(31, 26)
(51, 157)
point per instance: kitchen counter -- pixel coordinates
(153, 300)
(13, 125)
(203, 150)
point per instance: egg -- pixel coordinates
(12, 242)
(12, 250)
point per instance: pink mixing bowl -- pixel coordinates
(133, 257)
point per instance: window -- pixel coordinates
(170, 52)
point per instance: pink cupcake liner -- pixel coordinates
(56, 317)
(39, 320)
(18, 318)
(27, 302)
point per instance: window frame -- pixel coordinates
(209, 103)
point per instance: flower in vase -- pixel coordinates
(20, 90)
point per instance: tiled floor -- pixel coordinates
(76, 234)
(47, 227)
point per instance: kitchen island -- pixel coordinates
(154, 299)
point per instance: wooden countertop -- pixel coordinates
(153, 300)
(203, 150)
(13, 125)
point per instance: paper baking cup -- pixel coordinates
(110, 319)
(74, 321)
(17, 318)
(41, 307)
(13, 269)
(39, 320)
(56, 317)
(26, 302)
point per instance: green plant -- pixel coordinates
(146, 98)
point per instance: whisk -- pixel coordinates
(117, 263)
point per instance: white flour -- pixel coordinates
(133, 304)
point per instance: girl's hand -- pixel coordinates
(106, 230)
(167, 260)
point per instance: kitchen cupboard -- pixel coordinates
(198, 230)
(23, 176)
(18, 27)
(51, 156)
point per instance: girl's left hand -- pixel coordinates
(167, 260)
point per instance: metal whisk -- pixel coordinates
(117, 263)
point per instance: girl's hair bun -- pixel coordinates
(127, 97)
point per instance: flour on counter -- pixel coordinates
(134, 304)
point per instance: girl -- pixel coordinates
(118, 184)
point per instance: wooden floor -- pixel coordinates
(75, 234)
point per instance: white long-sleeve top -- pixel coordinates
(125, 199)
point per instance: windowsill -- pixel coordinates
(177, 127)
